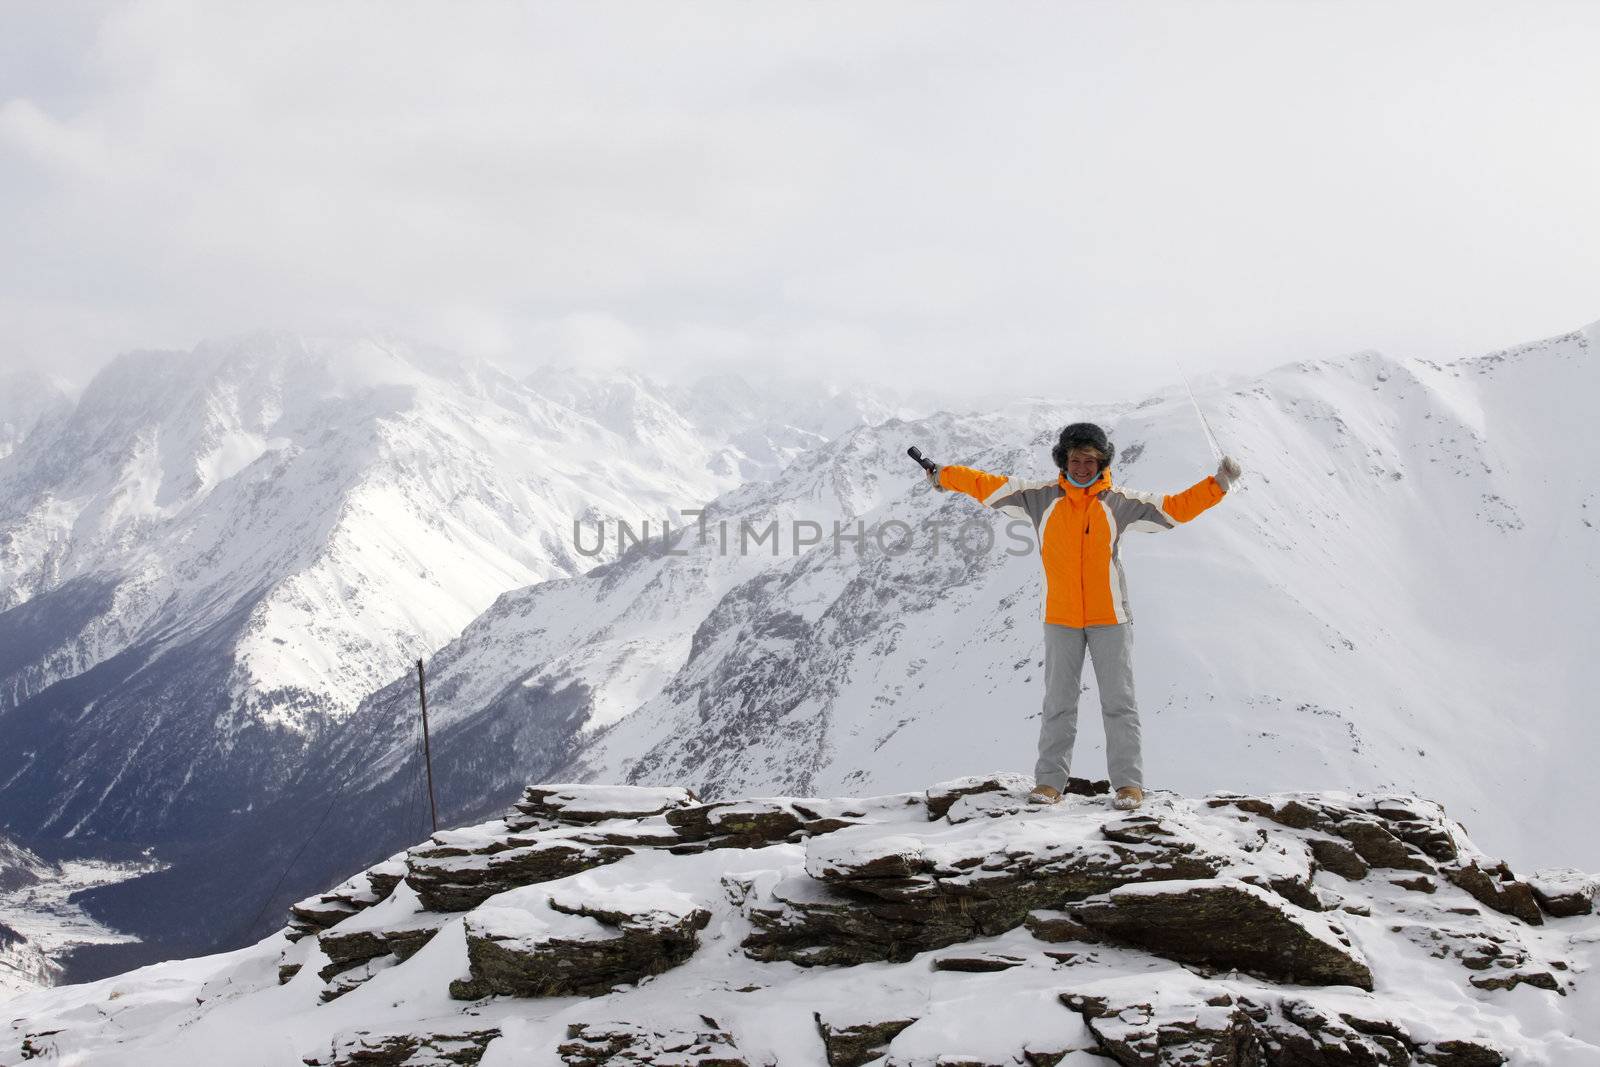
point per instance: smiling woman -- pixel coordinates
(1078, 519)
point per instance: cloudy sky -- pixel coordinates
(1050, 196)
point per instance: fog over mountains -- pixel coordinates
(217, 568)
(28, 398)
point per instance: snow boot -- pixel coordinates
(1128, 798)
(1044, 794)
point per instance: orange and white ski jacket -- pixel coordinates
(1079, 532)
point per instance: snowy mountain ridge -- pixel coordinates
(380, 496)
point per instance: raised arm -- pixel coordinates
(1027, 500)
(1150, 513)
(979, 485)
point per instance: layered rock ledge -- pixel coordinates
(956, 925)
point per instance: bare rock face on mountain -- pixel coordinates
(1564, 892)
(958, 925)
(584, 804)
(322, 910)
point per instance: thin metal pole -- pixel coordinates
(427, 750)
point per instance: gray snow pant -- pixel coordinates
(1112, 649)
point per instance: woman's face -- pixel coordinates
(1083, 464)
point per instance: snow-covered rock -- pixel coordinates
(1230, 923)
(583, 939)
(1252, 954)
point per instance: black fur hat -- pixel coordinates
(1078, 435)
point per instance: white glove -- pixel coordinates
(1228, 472)
(933, 478)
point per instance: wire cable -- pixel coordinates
(1211, 438)
(338, 793)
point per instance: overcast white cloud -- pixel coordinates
(1059, 196)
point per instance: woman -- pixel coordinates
(1079, 518)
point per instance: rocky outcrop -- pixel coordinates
(1401, 833)
(356, 955)
(1213, 1032)
(1009, 790)
(621, 1044)
(866, 895)
(1206, 1025)
(754, 823)
(558, 831)
(450, 874)
(347, 948)
(852, 1044)
(365, 1049)
(1188, 932)
(323, 910)
(1564, 892)
(1230, 924)
(1499, 889)
(589, 805)
(553, 832)
(560, 947)
(1496, 953)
